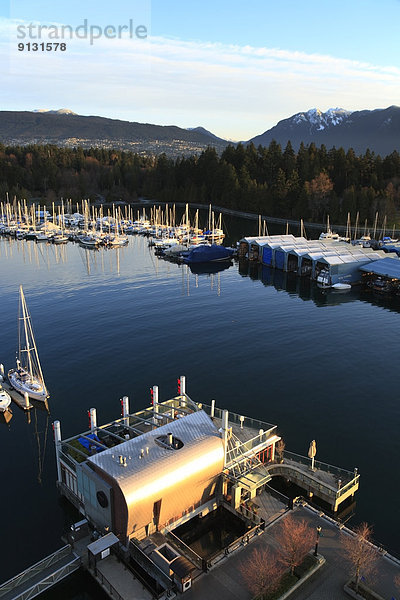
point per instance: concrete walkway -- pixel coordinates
(225, 582)
(112, 572)
(328, 584)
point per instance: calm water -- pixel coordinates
(111, 323)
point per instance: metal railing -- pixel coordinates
(186, 550)
(98, 575)
(335, 489)
(241, 541)
(145, 561)
(243, 448)
(350, 484)
(68, 459)
(241, 420)
(49, 580)
(33, 570)
(340, 473)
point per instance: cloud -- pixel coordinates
(236, 91)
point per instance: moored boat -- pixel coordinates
(5, 398)
(208, 253)
(27, 377)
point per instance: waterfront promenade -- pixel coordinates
(226, 583)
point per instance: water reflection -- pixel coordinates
(5, 417)
(306, 289)
(209, 268)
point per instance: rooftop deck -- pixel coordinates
(246, 439)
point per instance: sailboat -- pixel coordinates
(28, 376)
(329, 235)
(5, 398)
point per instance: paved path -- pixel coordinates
(328, 584)
(225, 582)
(112, 571)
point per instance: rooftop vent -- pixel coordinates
(169, 441)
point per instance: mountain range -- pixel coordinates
(378, 130)
(65, 128)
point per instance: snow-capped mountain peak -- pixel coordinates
(378, 130)
(60, 111)
(319, 120)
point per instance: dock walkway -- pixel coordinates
(118, 581)
(41, 576)
(225, 581)
(111, 574)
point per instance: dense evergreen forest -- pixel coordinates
(273, 181)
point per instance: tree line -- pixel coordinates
(308, 184)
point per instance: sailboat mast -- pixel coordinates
(24, 318)
(375, 225)
(356, 225)
(34, 366)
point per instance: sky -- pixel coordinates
(232, 67)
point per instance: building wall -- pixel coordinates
(89, 486)
(157, 496)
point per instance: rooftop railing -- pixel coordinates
(244, 449)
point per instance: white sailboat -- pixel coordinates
(5, 398)
(28, 376)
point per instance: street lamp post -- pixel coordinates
(317, 540)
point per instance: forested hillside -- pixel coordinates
(308, 184)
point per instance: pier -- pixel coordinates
(252, 464)
(140, 478)
(151, 486)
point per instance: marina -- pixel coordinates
(327, 261)
(227, 311)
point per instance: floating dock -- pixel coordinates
(335, 262)
(16, 397)
(152, 486)
(179, 463)
(21, 401)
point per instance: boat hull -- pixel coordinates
(5, 401)
(22, 382)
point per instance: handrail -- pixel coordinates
(48, 581)
(33, 569)
(242, 540)
(332, 491)
(186, 549)
(103, 579)
(319, 465)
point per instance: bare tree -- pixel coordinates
(295, 539)
(261, 571)
(360, 553)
